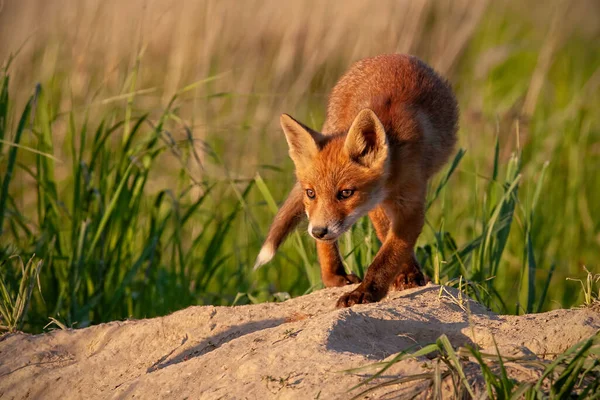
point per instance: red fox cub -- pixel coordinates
(391, 124)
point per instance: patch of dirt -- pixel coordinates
(290, 350)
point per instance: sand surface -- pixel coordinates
(290, 350)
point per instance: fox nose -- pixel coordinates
(319, 232)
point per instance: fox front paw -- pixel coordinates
(341, 280)
(357, 296)
(409, 280)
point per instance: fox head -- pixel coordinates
(342, 176)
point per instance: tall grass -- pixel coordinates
(146, 165)
(574, 373)
(112, 250)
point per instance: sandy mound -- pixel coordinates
(284, 350)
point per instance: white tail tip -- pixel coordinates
(266, 254)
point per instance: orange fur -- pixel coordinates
(391, 124)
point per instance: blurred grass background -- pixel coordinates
(141, 159)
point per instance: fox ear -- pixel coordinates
(366, 142)
(304, 143)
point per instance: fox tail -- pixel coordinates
(287, 218)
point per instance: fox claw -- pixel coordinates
(341, 280)
(357, 296)
(351, 278)
(409, 280)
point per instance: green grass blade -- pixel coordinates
(12, 158)
(444, 343)
(546, 288)
(3, 108)
(455, 162)
(264, 190)
(107, 214)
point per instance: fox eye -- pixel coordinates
(310, 193)
(344, 194)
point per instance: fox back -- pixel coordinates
(414, 104)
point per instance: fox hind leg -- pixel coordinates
(332, 268)
(380, 221)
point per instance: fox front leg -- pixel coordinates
(332, 268)
(394, 264)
